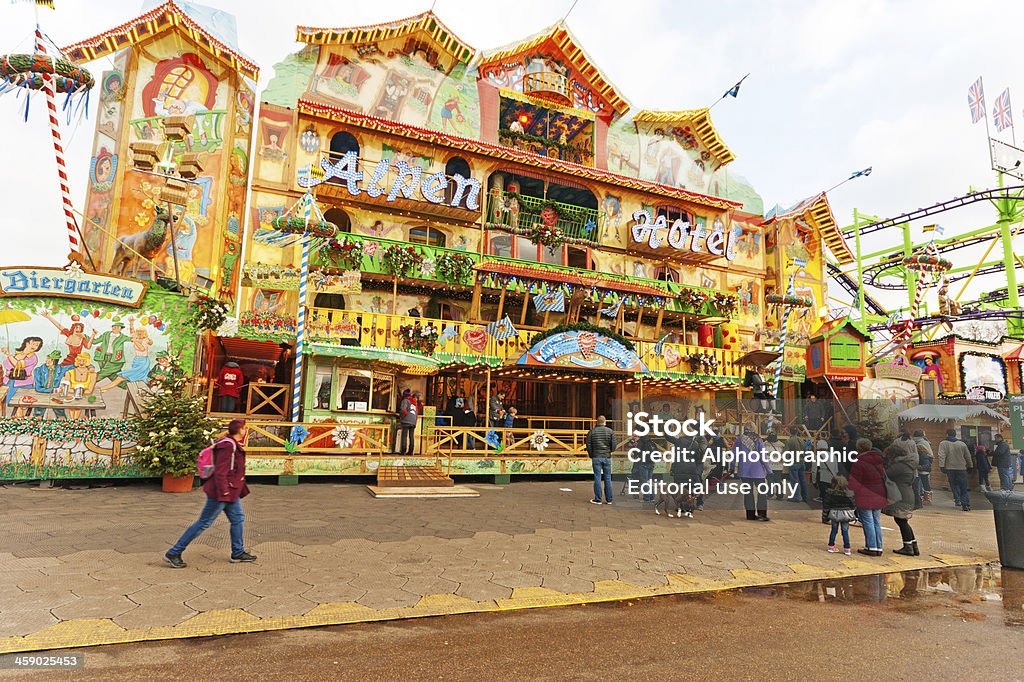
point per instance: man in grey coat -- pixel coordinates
(409, 413)
(955, 460)
(1003, 462)
(600, 442)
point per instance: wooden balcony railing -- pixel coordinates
(469, 343)
(519, 212)
(550, 84)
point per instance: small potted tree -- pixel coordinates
(173, 428)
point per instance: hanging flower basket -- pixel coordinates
(454, 268)
(209, 313)
(345, 254)
(399, 260)
(727, 304)
(702, 363)
(693, 299)
(320, 228)
(419, 338)
(927, 262)
(793, 301)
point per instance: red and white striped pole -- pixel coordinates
(49, 87)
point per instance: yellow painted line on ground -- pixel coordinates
(87, 632)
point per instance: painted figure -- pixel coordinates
(164, 372)
(81, 377)
(139, 369)
(108, 348)
(449, 111)
(19, 365)
(46, 379)
(76, 339)
(185, 241)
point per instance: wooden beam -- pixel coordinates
(657, 327)
(474, 308)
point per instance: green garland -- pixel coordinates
(318, 228)
(583, 327)
(64, 430)
(399, 260)
(454, 268)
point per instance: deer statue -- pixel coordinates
(947, 305)
(145, 244)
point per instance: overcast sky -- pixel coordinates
(834, 87)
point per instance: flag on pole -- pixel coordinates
(613, 310)
(861, 173)
(502, 329)
(734, 91)
(937, 229)
(1001, 114)
(976, 100)
(550, 303)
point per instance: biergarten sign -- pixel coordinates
(583, 350)
(72, 283)
(657, 231)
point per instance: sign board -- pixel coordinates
(583, 350)
(72, 284)
(682, 236)
(983, 394)
(1017, 421)
(1007, 159)
(900, 369)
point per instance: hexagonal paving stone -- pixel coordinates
(388, 599)
(567, 584)
(378, 581)
(289, 605)
(155, 614)
(516, 579)
(427, 585)
(277, 588)
(95, 607)
(218, 599)
(327, 593)
(20, 622)
(483, 591)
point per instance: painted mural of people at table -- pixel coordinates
(81, 381)
(139, 369)
(164, 373)
(47, 378)
(108, 349)
(20, 365)
(76, 340)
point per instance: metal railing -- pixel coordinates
(521, 213)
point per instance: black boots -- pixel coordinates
(909, 549)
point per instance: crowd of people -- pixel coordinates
(855, 481)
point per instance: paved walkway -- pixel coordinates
(83, 567)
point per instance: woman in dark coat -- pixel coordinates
(902, 470)
(867, 481)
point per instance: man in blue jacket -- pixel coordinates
(46, 378)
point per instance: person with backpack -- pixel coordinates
(225, 487)
(409, 412)
(925, 457)
(840, 510)
(901, 469)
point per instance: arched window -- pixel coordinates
(342, 143)
(455, 166)
(425, 234)
(665, 274)
(672, 214)
(339, 218)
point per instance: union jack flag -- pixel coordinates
(1001, 114)
(976, 100)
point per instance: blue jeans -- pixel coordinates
(1005, 478)
(602, 471)
(798, 477)
(233, 510)
(958, 482)
(871, 520)
(836, 525)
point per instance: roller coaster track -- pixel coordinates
(965, 317)
(1011, 193)
(998, 295)
(873, 274)
(988, 270)
(851, 288)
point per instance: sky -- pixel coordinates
(834, 87)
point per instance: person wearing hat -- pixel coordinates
(164, 372)
(108, 349)
(46, 378)
(229, 386)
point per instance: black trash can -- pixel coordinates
(1008, 508)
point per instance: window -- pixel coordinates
(353, 389)
(427, 235)
(672, 213)
(666, 274)
(383, 391)
(339, 219)
(845, 351)
(578, 258)
(501, 245)
(455, 166)
(323, 382)
(343, 143)
(333, 301)
(447, 311)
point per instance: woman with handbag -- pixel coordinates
(840, 510)
(902, 470)
(867, 481)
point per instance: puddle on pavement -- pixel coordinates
(911, 590)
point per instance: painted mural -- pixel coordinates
(79, 359)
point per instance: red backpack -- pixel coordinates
(204, 463)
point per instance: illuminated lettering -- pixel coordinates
(433, 188)
(472, 197)
(407, 182)
(374, 189)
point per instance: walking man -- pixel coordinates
(224, 492)
(925, 457)
(410, 413)
(795, 448)
(955, 461)
(1003, 462)
(600, 442)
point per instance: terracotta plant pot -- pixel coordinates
(178, 484)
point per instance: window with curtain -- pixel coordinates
(431, 236)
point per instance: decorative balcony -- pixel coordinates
(579, 153)
(379, 335)
(548, 85)
(521, 214)
(199, 132)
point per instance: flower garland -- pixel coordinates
(454, 268)
(693, 298)
(703, 363)
(399, 260)
(28, 71)
(795, 301)
(725, 303)
(319, 228)
(419, 338)
(208, 313)
(345, 254)
(65, 430)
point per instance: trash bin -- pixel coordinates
(1008, 508)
